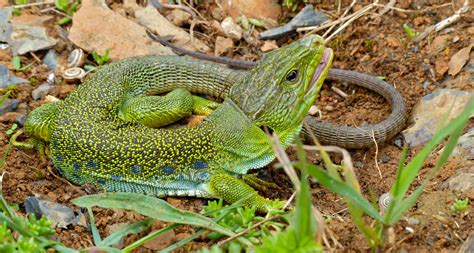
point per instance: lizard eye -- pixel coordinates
(292, 75)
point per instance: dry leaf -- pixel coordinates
(458, 60)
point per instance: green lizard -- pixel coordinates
(107, 132)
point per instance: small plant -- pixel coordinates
(16, 11)
(292, 4)
(409, 31)
(68, 9)
(101, 59)
(17, 66)
(12, 129)
(460, 205)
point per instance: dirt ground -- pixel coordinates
(374, 45)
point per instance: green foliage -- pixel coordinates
(409, 31)
(68, 9)
(348, 187)
(12, 129)
(101, 59)
(460, 205)
(16, 62)
(292, 4)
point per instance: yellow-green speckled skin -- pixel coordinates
(89, 143)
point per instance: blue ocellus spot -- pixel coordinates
(115, 177)
(76, 166)
(200, 165)
(167, 169)
(58, 157)
(91, 164)
(101, 181)
(203, 176)
(136, 170)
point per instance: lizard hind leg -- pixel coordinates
(231, 189)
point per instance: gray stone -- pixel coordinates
(430, 113)
(26, 38)
(20, 119)
(9, 105)
(7, 78)
(60, 215)
(51, 59)
(463, 182)
(5, 14)
(468, 245)
(465, 147)
(306, 17)
(42, 90)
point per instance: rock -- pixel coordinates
(465, 147)
(231, 29)
(153, 20)
(27, 38)
(253, 9)
(430, 112)
(42, 90)
(463, 182)
(51, 59)
(94, 28)
(179, 17)
(7, 78)
(60, 215)
(20, 119)
(5, 14)
(468, 245)
(223, 45)
(458, 60)
(306, 17)
(413, 221)
(9, 105)
(161, 241)
(269, 45)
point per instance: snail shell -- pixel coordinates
(76, 58)
(72, 74)
(384, 201)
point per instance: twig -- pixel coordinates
(339, 91)
(376, 154)
(414, 11)
(248, 229)
(444, 23)
(21, 6)
(53, 9)
(180, 7)
(341, 17)
(387, 7)
(285, 162)
(358, 15)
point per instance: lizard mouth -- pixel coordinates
(321, 70)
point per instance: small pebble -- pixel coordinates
(385, 158)
(42, 90)
(329, 108)
(313, 110)
(231, 29)
(410, 230)
(413, 221)
(9, 105)
(20, 119)
(358, 164)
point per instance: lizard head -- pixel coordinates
(279, 90)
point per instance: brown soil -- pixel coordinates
(375, 45)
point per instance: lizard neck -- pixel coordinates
(245, 145)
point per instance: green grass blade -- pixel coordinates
(133, 228)
(341, 189)
(152, 207)
(94, 230)
(443, 158)
(413, 167)
(183, 242)
(304, 219)
(149, 237)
